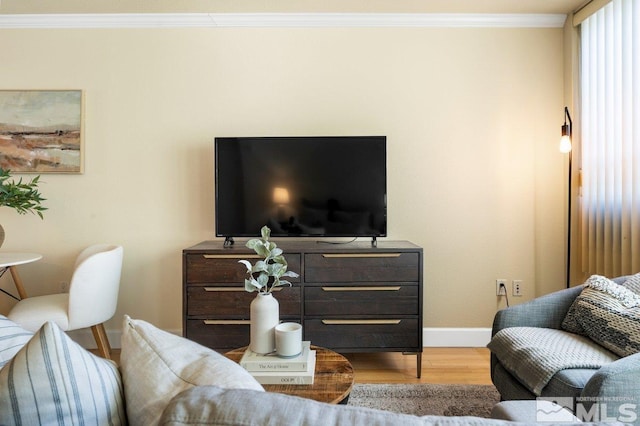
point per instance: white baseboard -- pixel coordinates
(431, 337)
(455, 337)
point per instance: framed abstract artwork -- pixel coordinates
(41, 131)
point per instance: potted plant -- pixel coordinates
(264, 276)
(21, 196)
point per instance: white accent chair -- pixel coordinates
(92, 297)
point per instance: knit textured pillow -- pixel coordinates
(633, 283)
(607, 313)
(53, 380)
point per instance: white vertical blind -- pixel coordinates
(610, 129)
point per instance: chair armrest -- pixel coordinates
(619, 378)
(615, 387)
(546, 311)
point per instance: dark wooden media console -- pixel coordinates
(349, 297)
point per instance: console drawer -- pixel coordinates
(351, 334)
(383, 299)
(234, 301)
(218, 334)
(224, 268)
(363, 267)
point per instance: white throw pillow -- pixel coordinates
(12, 339)
(53, 380)
(157, 365)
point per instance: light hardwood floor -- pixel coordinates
(439, 366)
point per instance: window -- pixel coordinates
(610, 138)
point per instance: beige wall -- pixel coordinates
(472, 118)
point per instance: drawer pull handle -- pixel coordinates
(231, 256)
(360, 322)
(358, 255)
(240, 289)
(221, 289)
(380, 288)
(227, 322)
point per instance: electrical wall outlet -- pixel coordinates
(501, 287)
(517, 287)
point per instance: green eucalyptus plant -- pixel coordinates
(22, 196)
(266, 274)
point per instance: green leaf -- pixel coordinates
(22, 196)
(265, 232)
(247, 264)
(261, 250)
(284, 282)
(253, 243)
(251, 285)
(260, 266)
(276, 270)
(263, 279)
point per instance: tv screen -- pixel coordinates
(301, 186)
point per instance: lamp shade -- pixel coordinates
(565, 140)
(565, 144)
(280, 195)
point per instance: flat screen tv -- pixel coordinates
(310, 186)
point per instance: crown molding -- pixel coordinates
(279, 20)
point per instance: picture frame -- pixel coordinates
(41, 131)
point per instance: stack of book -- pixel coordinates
(273, 370)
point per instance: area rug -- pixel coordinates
(427, 399)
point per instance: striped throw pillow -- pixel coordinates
(12, 339)
(53, 380)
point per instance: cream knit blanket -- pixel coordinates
(535, 354)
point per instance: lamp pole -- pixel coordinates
(565, 146)
(569, 226)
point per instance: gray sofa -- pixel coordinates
(46, 378)
(616, 382)
(210, 405)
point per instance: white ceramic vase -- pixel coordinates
(265, 315)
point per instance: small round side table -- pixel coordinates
(10, 261)
(332, 382)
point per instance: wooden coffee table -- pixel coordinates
(332, 382)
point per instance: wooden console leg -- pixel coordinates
(99, 333)
(419, 364)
